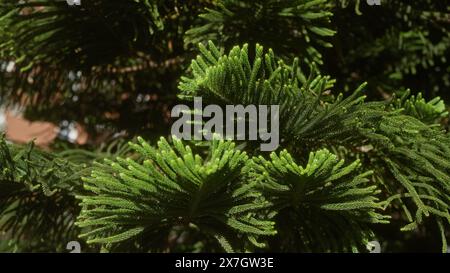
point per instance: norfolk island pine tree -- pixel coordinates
(370, 163)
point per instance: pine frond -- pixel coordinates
(304, 114)
(302, 26)
(426, 111)
(417, 158)
(37, 203)
(169, 187)
(322, 207)
(307, 120)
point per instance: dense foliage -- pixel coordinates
(364, 149)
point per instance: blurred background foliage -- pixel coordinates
(125, 57)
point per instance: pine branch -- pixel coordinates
(417, 158)
(38, 207)
(304, 114)
(429, 112)
(171, 187)
(413, 154)
(322, 207)
(37, 203)
(302, 26)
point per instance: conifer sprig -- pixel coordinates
(304, 25)
(171, 187)
(324, 206)
(37, 204)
